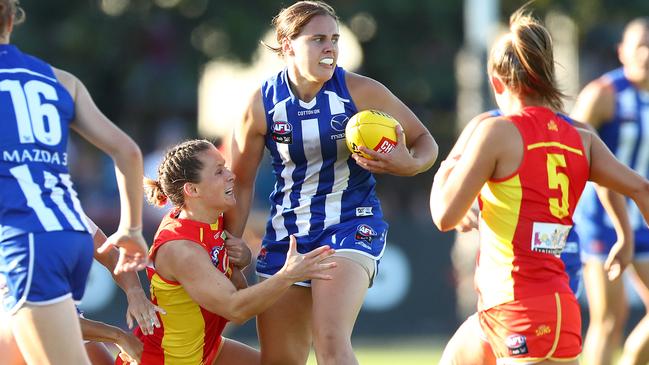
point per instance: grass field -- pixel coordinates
(407, 352)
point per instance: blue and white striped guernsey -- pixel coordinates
(627, 136)
(35, 111)
(318, 184)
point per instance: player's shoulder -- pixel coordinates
(68, 80)
(496, 131)
(359, 83)
(599, 90)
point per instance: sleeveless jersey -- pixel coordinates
(317, 184)
(189, 334)
(570, 256)
(37, 194)
(526, 217)
(627, 136)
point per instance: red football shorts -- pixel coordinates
(534, 329)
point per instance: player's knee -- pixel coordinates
(331, 344)
(287, 355)
(283, 359)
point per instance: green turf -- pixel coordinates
(418, 353)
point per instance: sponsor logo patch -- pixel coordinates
(549, 237)
(516, 344)
(543, 330)
(262, 254)
(282, 132)
(363, 244)
(364, 211)
(386, 145)
(339, 122)
(365, 233)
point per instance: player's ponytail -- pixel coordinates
(290, 21)
(154, 193)
(179, 166)
(524, 60)
(9, 9)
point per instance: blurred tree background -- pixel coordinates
(142, 61)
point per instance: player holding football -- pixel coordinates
(323, 195)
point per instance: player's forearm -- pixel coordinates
(237, 216)
(238, 279)
(424, 150)
(127, 281)
(99, 332)
(615, 206)
(247, 303)
(641, 199)
(129, 172)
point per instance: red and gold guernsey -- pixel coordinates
(526, 217)
(188, 334)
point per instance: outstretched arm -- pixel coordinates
(621, 253)
(607, 171)
(129, 345)
(212, 290)
(92, 125)
(614, 203)
(140, 307)
(247, 150)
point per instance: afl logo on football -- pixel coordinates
(339, 122)
(282, 132)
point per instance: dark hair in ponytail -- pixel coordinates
(524, 59)
(179, 166)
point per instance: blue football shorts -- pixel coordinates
(45, 268)
(572, 261)
(366, 236)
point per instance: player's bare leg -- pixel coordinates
(285, 329)
(336, 304)
(236, 353)
(608, 314)
(50, 334)
(466, 347)
(636, 346)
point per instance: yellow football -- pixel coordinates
(373, 129)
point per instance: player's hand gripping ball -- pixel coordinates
(373, 129)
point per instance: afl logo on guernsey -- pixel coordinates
(214, 255)
(282, 132)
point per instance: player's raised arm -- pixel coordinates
(92, 125)
(247, 149)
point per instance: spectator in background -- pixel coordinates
(617, 105)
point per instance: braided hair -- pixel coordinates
(179, 166)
